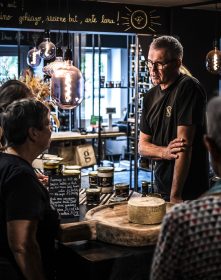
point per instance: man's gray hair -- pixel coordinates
(214, 120)
(171, 44)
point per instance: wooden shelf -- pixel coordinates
(68, 135)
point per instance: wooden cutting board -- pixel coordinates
(113, 226)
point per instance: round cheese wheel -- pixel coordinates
(146, 210)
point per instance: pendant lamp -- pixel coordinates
(213, 58)
(47, 48)
(67, 84)
(34, 58)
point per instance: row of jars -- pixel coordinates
(103, 177)
(100, 181)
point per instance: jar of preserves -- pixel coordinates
(93, 179)
(93, 196)
(122, 189)
(145, 186)
(75, 173)
(51, 167)
(105, 179)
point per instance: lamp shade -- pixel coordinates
(67, 86)
(47, 48)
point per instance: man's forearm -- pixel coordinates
(181, 170)
(150, 150)
(169, 152)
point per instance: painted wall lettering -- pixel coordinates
(84, 16)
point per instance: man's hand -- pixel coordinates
(173, 149)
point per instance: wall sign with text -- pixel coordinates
(83, 16)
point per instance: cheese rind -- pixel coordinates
(146, 210)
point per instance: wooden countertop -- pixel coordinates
(94, 259)
(68, 135)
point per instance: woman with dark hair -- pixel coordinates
(13, 90)
(10, 91)
(28, 224)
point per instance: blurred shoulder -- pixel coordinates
(195, 207)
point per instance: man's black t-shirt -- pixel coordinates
(23, 197)
(181, 104)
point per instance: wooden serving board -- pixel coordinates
(113, 226)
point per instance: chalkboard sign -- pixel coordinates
(64, 194)
(83, 16)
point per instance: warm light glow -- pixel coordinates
(67, 86)
(213, 61)
(47, 49)
(67, 89)
(33, 61)
(33, 58)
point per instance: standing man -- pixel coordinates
(173, 123)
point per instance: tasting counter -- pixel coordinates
(93, 259)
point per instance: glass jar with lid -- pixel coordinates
(51, 167)
(93, 179)
(105, 179)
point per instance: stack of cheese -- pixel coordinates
(146, 210)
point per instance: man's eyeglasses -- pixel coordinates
(158, 65)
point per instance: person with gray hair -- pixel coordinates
(188, 245)
(172, 124)
(10, 91)
(28, 224)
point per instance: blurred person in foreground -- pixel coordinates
(189, 246)
(173, 123)
(10, 91)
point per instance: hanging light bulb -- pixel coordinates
(67, 84)
(47, 48)
(33, 58)
(213, 60)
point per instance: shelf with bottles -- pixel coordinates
(143, 74)
(143, 80)
(139, 84)
(111, 84)
(65, 118)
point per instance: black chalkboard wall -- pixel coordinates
(83, 16)
(64, 195)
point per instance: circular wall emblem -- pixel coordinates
(139, 19)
